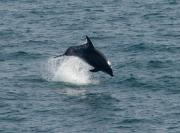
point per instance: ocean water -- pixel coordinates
(40, 94)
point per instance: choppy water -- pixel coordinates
(142, 40)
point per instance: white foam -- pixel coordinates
(68, 69)
(73, 91)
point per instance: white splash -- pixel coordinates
(68, 69)
(73, 92)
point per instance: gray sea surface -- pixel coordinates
(39, 94)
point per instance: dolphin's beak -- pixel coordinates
(111, 73)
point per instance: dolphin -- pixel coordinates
(90, 55)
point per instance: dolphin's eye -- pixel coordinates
(109, 63)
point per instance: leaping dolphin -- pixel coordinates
(91, 55)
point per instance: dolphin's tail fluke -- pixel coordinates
(59, 55)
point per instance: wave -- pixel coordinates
(160, 63)
(19, 55)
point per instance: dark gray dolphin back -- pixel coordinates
(80, 50)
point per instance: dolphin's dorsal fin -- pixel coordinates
(89, 43)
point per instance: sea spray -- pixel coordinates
(68, 69)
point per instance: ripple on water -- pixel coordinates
(159, 63)
(19, 55)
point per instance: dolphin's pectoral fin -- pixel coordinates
(94, 70)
